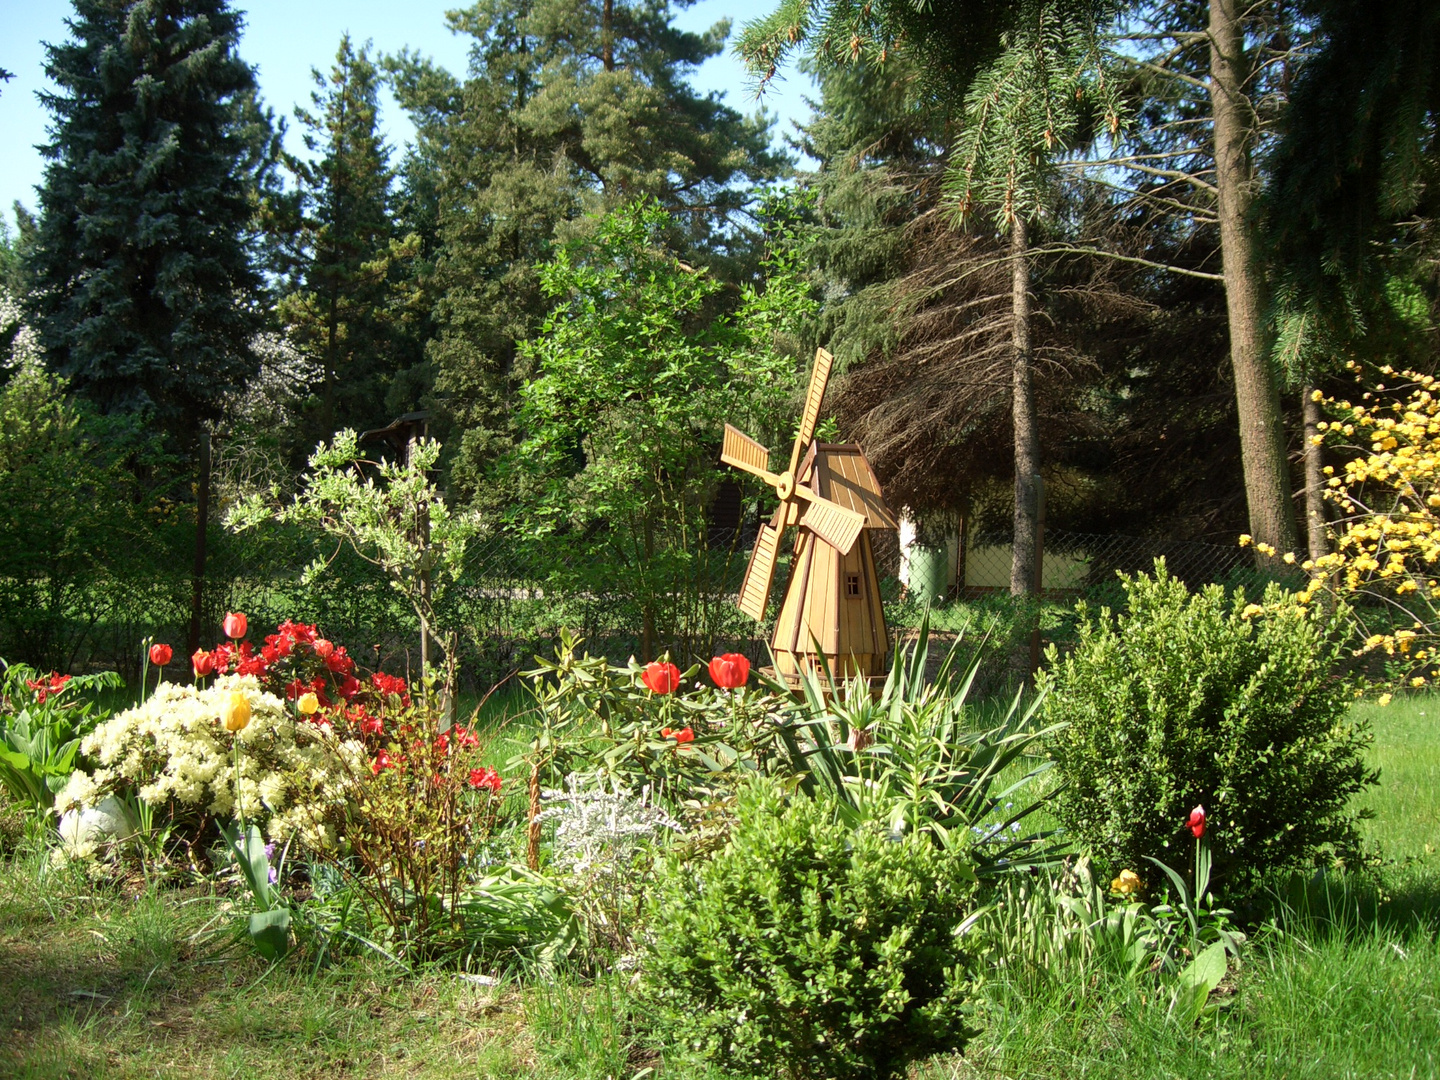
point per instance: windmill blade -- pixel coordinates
(745, 453)
(837, 525)
(760, 573)
(814, 396)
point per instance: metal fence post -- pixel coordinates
(1039, 574)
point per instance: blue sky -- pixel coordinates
(286, 38)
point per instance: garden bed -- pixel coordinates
(102, 979)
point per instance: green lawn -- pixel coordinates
(106, 980)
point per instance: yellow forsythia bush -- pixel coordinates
(174, 750)
(1386, 543)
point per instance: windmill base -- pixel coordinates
(792, 680)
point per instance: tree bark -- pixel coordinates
(607, 35)
(1319, 541)
(202, 522)
(1257, 392)
(1026, 424)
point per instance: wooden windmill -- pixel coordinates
(831, 606)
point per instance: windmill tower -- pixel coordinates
(831, 606)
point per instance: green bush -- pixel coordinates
(807, 949)
(1204, 699)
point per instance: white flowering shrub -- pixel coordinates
(173, 750)
(24, 349)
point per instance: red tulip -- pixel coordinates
(485, 778)
(1196, 823)
(661, 678)
(203, 662)
(730, 670)
(235, 625)
(160, 654)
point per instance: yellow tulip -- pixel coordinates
(308, 704)
(1127, 884)
(235, 711)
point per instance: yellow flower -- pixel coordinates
(1251, 610)
(1384, 700)
(1245, 539)
(1127, 884)
(308, 704)
(235, 711)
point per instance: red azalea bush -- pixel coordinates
(294, 661)
(425, 802)
(419, 825)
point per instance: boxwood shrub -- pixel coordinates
(807, 949)
(1186, 699)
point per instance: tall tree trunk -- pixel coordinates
(607, 35)
(1257, 393)
(1026, 424)
(1319, 542)
(202, 522)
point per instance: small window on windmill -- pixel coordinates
(852, 586)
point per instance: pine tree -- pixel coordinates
(144, 284)
(1214, 77)
(1032, 77)
(347, 304)
(569, 109)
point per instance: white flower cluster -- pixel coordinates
(25, 350)
(173, 747)
(599, 832)
(285, 378)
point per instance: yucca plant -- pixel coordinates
(913, 757)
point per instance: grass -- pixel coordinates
(108, 980)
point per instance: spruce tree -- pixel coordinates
(144, 285)
(347, 304)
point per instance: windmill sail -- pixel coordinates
(814, 396)
(755, 589)
(834, 524)
(744, 452)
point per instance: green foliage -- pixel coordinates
(348, 301)
(39, 738)
(598, 719)
(143, 278)
(400, 524)
(911, 759)
(806, 948)
(1033, 78)
(1050, 91)
(67, 531)
(1205, 699)
(569, 109)
(1345, 213)
(635, 377)
(417, 826)
(268, 925)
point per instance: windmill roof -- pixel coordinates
(840, 473)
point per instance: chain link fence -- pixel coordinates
(514, 596)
